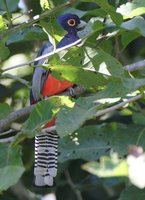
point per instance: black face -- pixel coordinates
(69, 21)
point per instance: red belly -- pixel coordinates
(51, 87)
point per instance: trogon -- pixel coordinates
(45, 85)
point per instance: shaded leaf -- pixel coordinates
(116, 17)
(11, 167)
(87, 143)
(5, 51)
(12, 6)
(132, 193)
(27, 34)
(128, 37)
(138, 118)
(5, 109)
(137, 24)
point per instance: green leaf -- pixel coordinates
(97, 26)
(138, 118)
(67, 122)
(11, 167)
(79, 13)
(5, 109)
(43, 112)
(87, 143)
(107, 167)
(92, 141)
(122, 135)
(116, 17)
(27, 34)
(5, 51)
(132, 9)
(12, 5)
(107, 64)
(128, 37)
(132, 193)
(137, 24)
(3, 25)
(78, 75)
(46, 4)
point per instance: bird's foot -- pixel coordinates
(72, 92)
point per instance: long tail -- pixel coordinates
(46, 154)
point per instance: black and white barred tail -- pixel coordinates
(46, 154)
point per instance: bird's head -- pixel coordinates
(70, 22)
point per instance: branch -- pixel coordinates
(131, 67)
(117, 106)
(14, 116)
(72, 185)
(135, 66)
(43, 56)
(7, 140)
(37, 18)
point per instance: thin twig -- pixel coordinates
(135, 66)
(7, 140)
(73, 187)
(43, 56)
(117, 106)
(131, 67)
(21, 80)
(7, 132)
(8, 13)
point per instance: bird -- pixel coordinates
(45, 85)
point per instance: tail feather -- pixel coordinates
(46, 153)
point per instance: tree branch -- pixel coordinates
(14, 116)
(73, 187)
(135, 66)
(131, 67)
(43, 56)
(37, 18)
(117, 106)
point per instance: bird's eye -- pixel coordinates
(71, 22)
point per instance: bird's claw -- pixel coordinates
(72, 92)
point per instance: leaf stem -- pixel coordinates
(72, 185)
(9, 16)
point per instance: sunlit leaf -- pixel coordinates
(2, 24)
(107, 167)
(132, 9)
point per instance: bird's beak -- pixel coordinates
(81, 25)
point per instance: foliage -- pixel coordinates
(112, 39)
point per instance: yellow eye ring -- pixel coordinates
(71, 22)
